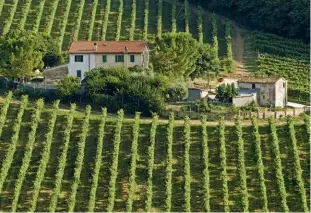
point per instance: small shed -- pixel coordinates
(195, 94)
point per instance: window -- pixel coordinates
(104, 58)
(119, 58)
(132, 58)
(284, 85)
(253, 86)
(79, 73)
(78, 58)
(263, 97)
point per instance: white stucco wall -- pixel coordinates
(111, 60)
(266, 95)
(281, 93)
(86, 65)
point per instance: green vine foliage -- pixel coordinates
(260, 165)
(215, 35)
(115, 161)
(98, 161)
(298, 170)
(63, 24)
(119, 22)
(35, 119)
(24, 15)
(205, 156)
(159, 19)
(241, 165)
(134, 153)
(133, 21)
(79, 160)
(223, 158)
(4, 110)
(38, 15)
(146, 20)
(7, 162)
(169, 164)
(44, 157)
(187, 174)
(106, 17)
(187, 14)
(92, 21)
(149, 190)
(174, 24)
(9, 20)
(278, 164)
(62, 160)
(78, 20)
(200, 25)
(48, 27)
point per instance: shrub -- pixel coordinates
(68, 87)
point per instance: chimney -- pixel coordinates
(126, 50)
(95, 46)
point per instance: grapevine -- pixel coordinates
(63, 24)
(9, 20)
(169, 169)
(132, 182)
(174, 25)
(223, 159)
(79, 160)
(4, 110)
(133, 20)
(38, 16)
(44, 158)
(149, 191)
(94, 7)
(241, 165)
(115, 161)
(159, 19)
(7, 162)
(146, 20)
(200, 25)
(206, 176)
(119, 23)
(187, 14)
(78, 20)
(98, 161)
(260, 166)
(298, 170)
(28, 153)
(62, 160)
(24, 13)
(106, 17)
(48, 27)
(278, 165)
(187, 187)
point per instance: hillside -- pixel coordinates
(119, 135)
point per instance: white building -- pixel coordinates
(87, 55)
(270, 91)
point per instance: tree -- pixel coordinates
(68, 87)
(176, 55)
(225, 92)
(22, 52)
(207, 63)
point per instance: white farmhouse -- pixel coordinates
(265, 91)
(87, 55)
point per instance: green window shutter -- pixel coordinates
(116, 58)
(104, 58)
(122, 58)
(79, 73)
(132, 58)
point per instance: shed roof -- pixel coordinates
(109, 47)
(262, 80)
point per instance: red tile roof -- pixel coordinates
(109, 47)
(263, 80)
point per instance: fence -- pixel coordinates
(230, 116)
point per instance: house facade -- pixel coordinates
(87, 55)
(270, 91)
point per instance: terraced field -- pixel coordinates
(93, 162)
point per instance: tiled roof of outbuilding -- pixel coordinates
(262, 80)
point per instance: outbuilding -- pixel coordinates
(195, 94)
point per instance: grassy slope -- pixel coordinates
(159, 172)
